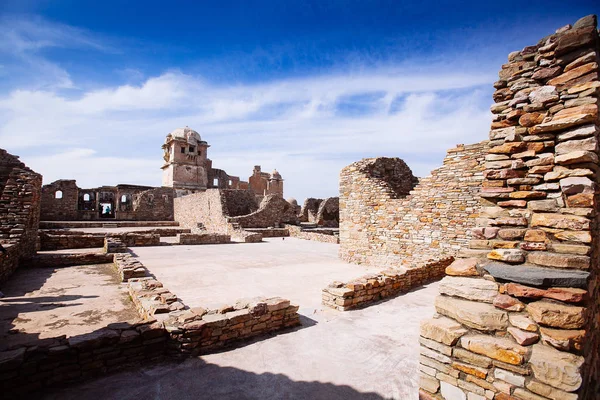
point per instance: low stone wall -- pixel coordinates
(132, 239)
(67, 260)
(51, 362)
(270, 232)
(203, 238)
(242, 235)
(103, 224)
(297, 232)
(128, 267)
(63, 241)
(369, 289)
(114, 245)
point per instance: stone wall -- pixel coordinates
(204, 238)
(386, 219)
(63, 200)
(328, 214)
(319, 236)
(20, 193)
(273, 211)
(522, 321)
(55, 361)
(203, 210)
(369, 289)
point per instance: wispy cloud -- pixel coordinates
(306, 127)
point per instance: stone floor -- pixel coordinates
(214, 275)
(364, 354)
(45, 302)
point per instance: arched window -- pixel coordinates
(58, 194)
(216, 182)
(86, 197)
(124, 198)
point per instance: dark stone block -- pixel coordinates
(537, 276)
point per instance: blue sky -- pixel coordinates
(89, 89)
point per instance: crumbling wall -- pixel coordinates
(204, 210)
(382, 224)
(59, 201)
(328, 214)
(239, 202)
(522, 322)
(154, 204)
(309, 210)
(273, 211)
(20, 195)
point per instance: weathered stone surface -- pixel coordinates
(470, 369)
(522, 394)
(469, 288)
(507, 255)
(524, 338)
(570, 248)
(563, 339)
(575, 38)
(557, 315)
(535, 235)
(544, 94)
(573, 73)
(547, 73)
(568, 146)
(574, 185)
(560, 172)
(437, 346)
(563, 123)
(561, 221)
(538, 276)
(481, 316)
(557, 260)
(450, 392)
(575, 236)
(570, 295)
(508, 303)
(443, 330)
(427, 352)
(576, 157)
(429, 383)
(522, 322)
(509, 377)
(549, 391)
(500, 349)
(463, 267)
(511, 233)
(556, 368)
(441, 367)
(581, 200)
(508, 148)
(578, 133)
(531, 119)
(471, 358)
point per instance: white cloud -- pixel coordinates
(306, 127)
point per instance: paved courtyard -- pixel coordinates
(364, 354)
(214, 275)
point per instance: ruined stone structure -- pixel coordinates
(390, 218)
(187, 168)
(522, 320)
(228, 211)
(322, 212)
(63, 200)
(20, 191)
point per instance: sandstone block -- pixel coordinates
(443, 330)
(463, 266)
(470, 369)
(508, 303)
(544, 94)
(557, 260)
(522, 322)
(570, 295)
(429, 383)
(509, 377)
(450, 392)
(469, 288)
(437, 346)
(574, 236)
(500, 349)
(549, 391)
(560, 221)
(481, 316)
(427, 352)
(507, 255)
(563, 339)
(578, 133)
(576, 157)
(557, 315)
(556, 368)
(575, 185)
(471, 358)
(524, 338)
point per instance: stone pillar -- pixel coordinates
(521, 321)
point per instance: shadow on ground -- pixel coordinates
(194, 379)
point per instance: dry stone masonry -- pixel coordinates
(390, 218)
(520, 320)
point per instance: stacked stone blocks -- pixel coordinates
(520, 321)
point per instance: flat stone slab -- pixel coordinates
(537, 276)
